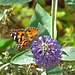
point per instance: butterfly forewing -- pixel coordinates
(17, 35)
(31, 33)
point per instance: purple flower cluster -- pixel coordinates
(46, 52)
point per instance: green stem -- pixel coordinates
(55, 31)
(53, 14)
(0, 36)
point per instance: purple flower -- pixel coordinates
(46, 52)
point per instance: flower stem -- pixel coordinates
(53, 14)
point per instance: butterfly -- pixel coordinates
(24, 37)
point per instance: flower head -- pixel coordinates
(46, 52)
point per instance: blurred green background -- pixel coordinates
(19, 15)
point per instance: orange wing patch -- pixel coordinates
(20, 36)
(23, 43)
(32, 33)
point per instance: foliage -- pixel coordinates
(19, 62)
(8, 2)
(24, 14)
(41, 17)
(25, 57)
(68, 53)
(71, 3)
(2, 15)
(69, 37)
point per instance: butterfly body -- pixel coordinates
(24, 37)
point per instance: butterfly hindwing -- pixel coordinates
(25, 44)
(21, 45)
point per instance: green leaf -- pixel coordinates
(54, 70)
(12, 51)
(25, 57)
(2, 15)
(44, 73)
(68, 53)
(42, 17)
(4, 43)
(41, 2)
(4, 66)
(43, 30)
(10, 2)
(70, 3)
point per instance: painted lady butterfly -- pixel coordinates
(24, 37)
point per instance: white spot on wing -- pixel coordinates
(15, 33)
(10, 34)
(14, 37)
